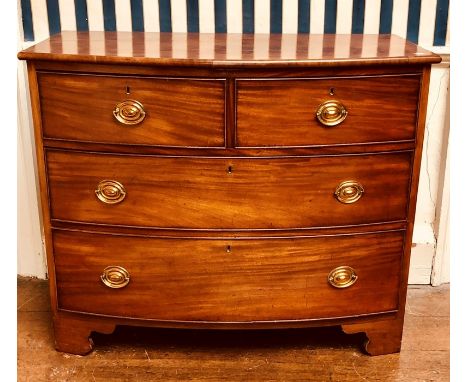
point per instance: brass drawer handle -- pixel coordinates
(115, 277)
(110, 191)
(349, 191)
(331, 113)
(129, 112)
(342, 277)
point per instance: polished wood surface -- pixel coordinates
(179, 112)
(73, 333)
(231, 193)
(240, 72)
(383, 336)
(236, 159)
(228, 50)
(277, 151)
(235, 280)
(42, 178)
(287, 117)
(399, 225)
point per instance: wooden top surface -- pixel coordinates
(228, 50)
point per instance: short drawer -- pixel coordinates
(279, 112)
(203, 280)
(133, 110)
(228, 193)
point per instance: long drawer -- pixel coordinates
(133, 110)
(227, 280)
(282, 112)
(228, 193)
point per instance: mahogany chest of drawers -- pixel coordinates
(228, 181)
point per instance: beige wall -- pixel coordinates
(31, 256)
(431, 184)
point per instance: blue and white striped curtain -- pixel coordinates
(421, 21)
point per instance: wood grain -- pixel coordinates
(193, 49)
(42, 178)
(73, 333)
(220, 280)
(283, 112)
(179, 112)
(383, 336)
(232, 152)
(200, 193)
(399, 225)
(240, 72)
(229, 219)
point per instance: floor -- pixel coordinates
(326, 354)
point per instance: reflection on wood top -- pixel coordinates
(228, 50)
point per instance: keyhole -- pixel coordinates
(127, 89)
(229, 169)
(332, 91)
(228, 248)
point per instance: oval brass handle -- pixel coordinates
(349, 191)
(342, 277)
(129, 112)
(331, 113)
(115, 277)
(110, 191)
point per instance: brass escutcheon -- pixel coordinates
(129, 112)
(110, 191)
(342, 277)
(349, 191)
(331, 113)
(115, 277)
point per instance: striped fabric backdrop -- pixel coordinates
(422, 21)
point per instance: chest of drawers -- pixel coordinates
(228, 181)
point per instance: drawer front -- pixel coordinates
(175, 112)
(199, 280)
(284, 112)
(227, 193)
